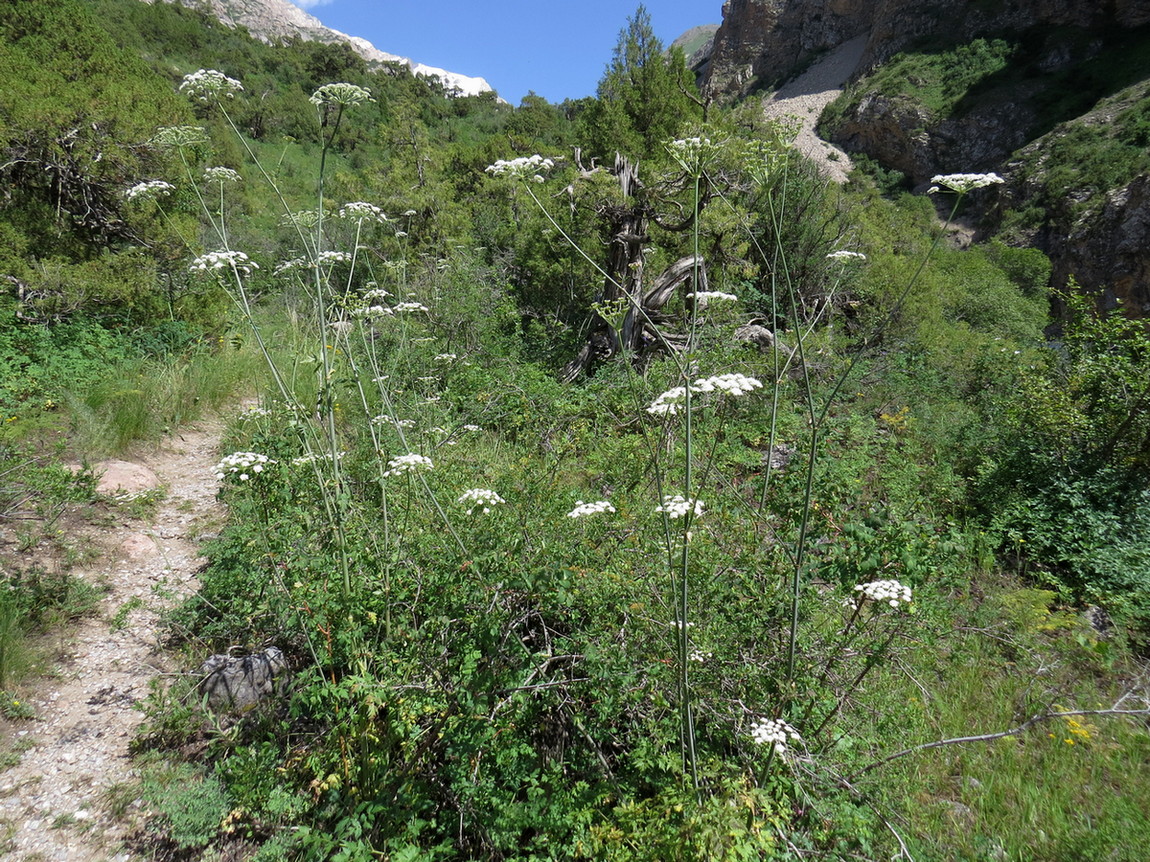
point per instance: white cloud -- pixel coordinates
(310, 4)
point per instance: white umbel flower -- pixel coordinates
(673, 400)
(480, 498)
(702, 297)
(408, 464)
(410, 306)
(362, 211)
(221, 175)
(208, 85)
(343, 94)
(963, 183)
(525, 167)
(886, 592)
(581, 509)
(242, 465)
(774, 732)
(678, 506)
(149, 190)
(221, 260)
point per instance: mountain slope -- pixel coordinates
(276, 20)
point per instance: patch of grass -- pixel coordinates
(12, 707)
(15, 752)
(1066, 788)
(45, 599)
(141, 399)
(190, 806)
(119, 619)
(139, 505)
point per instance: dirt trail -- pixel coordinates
(805, 97)
(54, 805)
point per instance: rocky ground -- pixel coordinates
(805, 97)
(65, 799)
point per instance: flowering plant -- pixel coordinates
(774, 732)
(362, 211)
(704, 296)
(963, 183)
(581, 509)
(179, 136)
(149, 190)
(887, 592)
(521, 168)
(242, 465)
(673, 400)
(237, 261)
(408, 464)
(480, 498)
(341, 93)
(221, 175)
(678, 506)
(208, 85)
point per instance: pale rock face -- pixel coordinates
(279, 19)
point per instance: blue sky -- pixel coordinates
(559, 50)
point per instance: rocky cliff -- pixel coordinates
(273, 20)
(763, 41)
(1052, 94)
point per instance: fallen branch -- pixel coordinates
(988, 737)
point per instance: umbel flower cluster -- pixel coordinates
(844, 255)
(692, 153)
(704, 296)
(963, 183)
(149, 190)
(342, 93)
(581, 509)
(774, 732)
(408, 464)
(674, 400)
(208, 85)
(221, 175)
(886, 592)
(480, 498)
(220, 260)
(522, 168)
(678, 506)
(180, 136)
(362, 211)
(242, 465)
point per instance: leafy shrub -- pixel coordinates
(1066, 491)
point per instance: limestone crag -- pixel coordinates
(763, 41)
(901, 134)
(1108, 250)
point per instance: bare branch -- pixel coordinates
(988, 737)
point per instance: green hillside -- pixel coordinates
(667, 505)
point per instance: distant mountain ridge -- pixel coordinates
(271, 20)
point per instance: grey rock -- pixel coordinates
(240, 682)
(761, 337)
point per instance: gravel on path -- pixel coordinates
(54, 805)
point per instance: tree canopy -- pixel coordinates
(645, 96)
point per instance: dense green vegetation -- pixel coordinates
(507, 638)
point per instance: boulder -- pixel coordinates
(240, 682)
